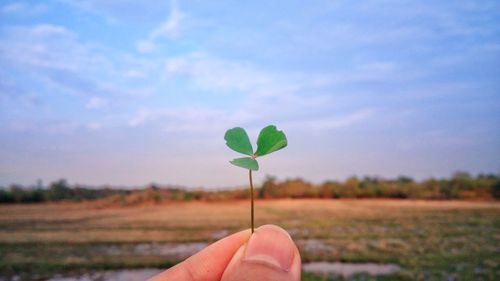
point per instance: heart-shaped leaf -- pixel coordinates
(237, 139)
(270, 140)
(246, 162)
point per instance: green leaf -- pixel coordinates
(270, 140)
(237, 140)
(246, 162)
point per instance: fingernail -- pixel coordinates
(272, 246)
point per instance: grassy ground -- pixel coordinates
(430, 240)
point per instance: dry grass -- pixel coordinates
(436, 238)
(69, 222)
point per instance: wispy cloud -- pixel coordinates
(189, 119)
(96, 103)
(336, 121)
(56, 58)
(302, 99)
(42, 46)
(122, 11)
(23, 8)
(172, 26)
(213, 73)
(42, 126)
(15, 95)
(169, 29)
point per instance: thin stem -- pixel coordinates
(251, 196)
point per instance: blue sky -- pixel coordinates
(132, 92)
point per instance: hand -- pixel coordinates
(267, 255)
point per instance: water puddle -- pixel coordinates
(168, 250)
(219, 234)
(316, 246)
(180, 251)
(320, 268)
(110, 275)
(348, 269)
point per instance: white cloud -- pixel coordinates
(187, 119)
(56, 58)
(146, 46)
(123, 11)
(218, 74)
(50, 30)
(42, 46)
(47, 126)
(93, 126)
(169, 29)
(335, 121)
(172, 26)
(133, 73)
(96, 103)
(24, 9)
(302, 99)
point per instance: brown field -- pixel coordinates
(430, 240)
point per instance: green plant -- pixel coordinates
(269, 140)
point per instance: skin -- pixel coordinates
(232, 259)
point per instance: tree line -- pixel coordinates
(460, 185)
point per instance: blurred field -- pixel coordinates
(430, 240)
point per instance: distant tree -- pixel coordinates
(369, 187)
(59, 190)
(17, 193)
(429, 189)
(269, 188)
(298, 188)
(404, 180)
(330, 189)
(34, 195)
(5, 196)
(461, 175)
(39, 184)
(495, 189)
(351, 188)
(460, 185)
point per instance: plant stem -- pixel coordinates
(251, 196)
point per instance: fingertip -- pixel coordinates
(270, 254)
(271, 245)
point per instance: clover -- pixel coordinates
(269, 140)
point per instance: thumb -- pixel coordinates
(269, 255)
